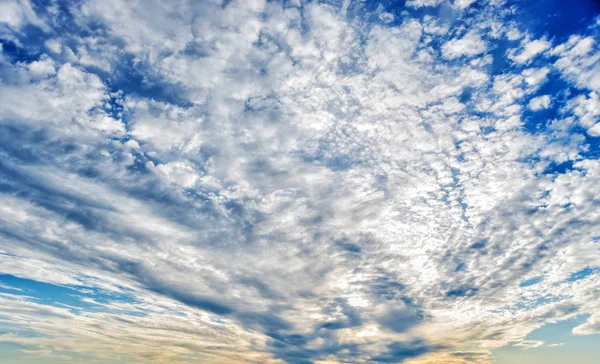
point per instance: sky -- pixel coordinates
(292, 181)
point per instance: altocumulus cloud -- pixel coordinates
(294, 181)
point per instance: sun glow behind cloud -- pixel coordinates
(300, 182)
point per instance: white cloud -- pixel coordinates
(590, 327)
(529, 50)
(42, 68)
(53, 45)
(530, 344)
(422, 3)
(594, 130)
(17, 13)
(587, 110)
(536, 76)
(180, 173)
(539, 102)
(469, 45)
(70, 97)
(463, 4)
(513, 34)
(11, 13)
(578, 63)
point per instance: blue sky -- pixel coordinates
(299, 181)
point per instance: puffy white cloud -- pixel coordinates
(11, 13)
(578, 61)
(66, 97)
(590, 327)
(529, 50)
(463, 4)
(422, 3)
(53, 45)
(42, 68)
(513, 34)
(587, 110)
(469, 44)
(536, 76)
(539, 102)
(17, 13)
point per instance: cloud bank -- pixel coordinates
(299, 182)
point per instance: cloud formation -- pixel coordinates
(300, 182)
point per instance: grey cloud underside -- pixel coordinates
(294, 183)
